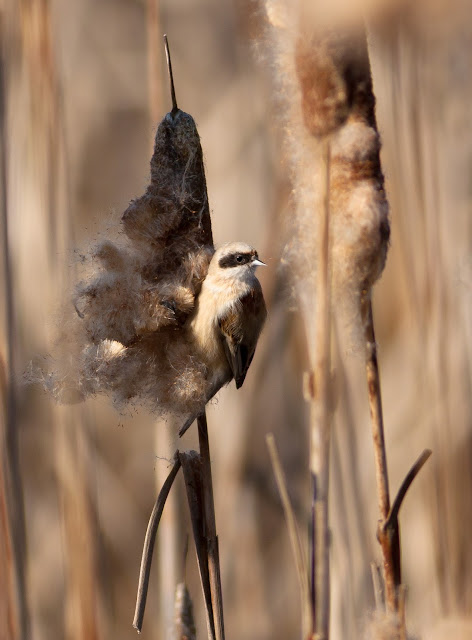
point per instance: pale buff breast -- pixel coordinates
(215, 300)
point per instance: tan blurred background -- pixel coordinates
(81, 82)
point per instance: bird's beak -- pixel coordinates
(258, 263)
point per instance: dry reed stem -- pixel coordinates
(192, 469)
(170, 538)
(294, 534)
(388, 531)
(149, 541)
(320, 419)
(12, 488)
(391, 568)
(210, 528)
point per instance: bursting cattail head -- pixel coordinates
(323, 70)
(130, 333)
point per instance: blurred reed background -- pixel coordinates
(80, 107)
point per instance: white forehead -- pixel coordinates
(233, 247)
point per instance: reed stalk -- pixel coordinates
(320, 428)
(390, 548)
(295, 540)
(213, 554)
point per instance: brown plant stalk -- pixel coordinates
(390, 547)
(320, 422)
(388, 531)
(199, 488)
(213, 557)
(192, 470)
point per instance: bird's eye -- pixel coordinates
(239, 259)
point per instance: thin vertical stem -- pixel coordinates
(210, 524)
(192, 469)
(294, 534)
(376, 414)
(11, 480)
(320, 422)
(387, 543)
(170, 534)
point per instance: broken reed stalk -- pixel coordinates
(390, 546)
(210, 529)
(320, 420)
(295, 541)
(192, 470)
(149, 541)
(198, 484)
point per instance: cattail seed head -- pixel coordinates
(129, 334)
(323, 74)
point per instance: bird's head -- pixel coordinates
(235, 260)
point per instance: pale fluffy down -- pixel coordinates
(135, 342)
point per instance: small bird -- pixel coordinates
(228, 318)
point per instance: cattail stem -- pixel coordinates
(192, 469)
(388, 544)
(320, 426)
(210, 529)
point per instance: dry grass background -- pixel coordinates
(78, 147)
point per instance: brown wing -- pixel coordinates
(240, 329)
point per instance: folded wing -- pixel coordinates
(240, 329)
